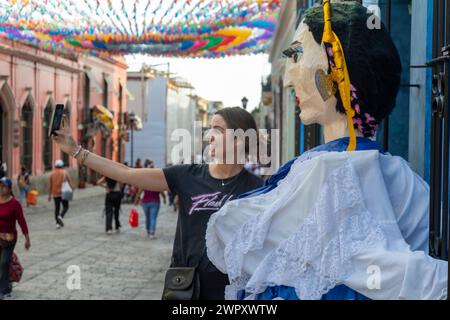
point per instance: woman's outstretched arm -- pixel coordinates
(149, 179)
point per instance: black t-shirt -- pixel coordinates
(200, 195)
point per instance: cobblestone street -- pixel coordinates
(127, 265)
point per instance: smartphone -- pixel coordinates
(56, 121)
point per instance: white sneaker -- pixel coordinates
(109, 232)
(58, 226)
(60, 221)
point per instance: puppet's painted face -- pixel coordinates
(301, 69)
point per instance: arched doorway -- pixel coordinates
(47, 142)
(7, 123)
(26, 154)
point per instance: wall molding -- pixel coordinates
(32, 57)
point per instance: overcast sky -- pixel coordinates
(224, 79)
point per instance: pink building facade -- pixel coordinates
(32, 82)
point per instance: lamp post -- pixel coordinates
(131, 120)
(244, 102)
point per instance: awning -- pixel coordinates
(103, 115)
(93, 81)
(127, 92)
(3, 80)
(129, 95)
(107, 78)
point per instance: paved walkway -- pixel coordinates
(127, 265)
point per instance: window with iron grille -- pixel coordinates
(65, 156)
(86, 99)
(105, 104)
(104, 145)
(86, 174)
(47, 142)
(440, 132)
(105, 93)
(439, 227)
(27, 136)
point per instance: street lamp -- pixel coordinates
(131, 122)
(244, 102)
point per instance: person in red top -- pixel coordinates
(10, 213)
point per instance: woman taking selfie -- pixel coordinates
(202, 189)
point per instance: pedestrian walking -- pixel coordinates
(11, 212)
(202, 190)
(151, 204)
(138, 163)
(127, 196)
(56, 180)
(147, 163)
(113, 201)
(24, 183)
(2, 169)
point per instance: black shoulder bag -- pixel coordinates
(182, 283)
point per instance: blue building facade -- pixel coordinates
(418, 129)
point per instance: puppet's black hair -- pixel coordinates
(372, 58)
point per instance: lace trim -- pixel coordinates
(283, 192)
(318, 255)
(254, 232)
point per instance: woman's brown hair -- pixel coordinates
(238, 118)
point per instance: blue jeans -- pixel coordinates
(6, 252)
(151, 210)
(23, 195)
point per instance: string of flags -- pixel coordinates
(172, 28)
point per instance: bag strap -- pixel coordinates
(201, 257)
(185, 262)
(65, 177)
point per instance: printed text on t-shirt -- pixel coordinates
(209, 201)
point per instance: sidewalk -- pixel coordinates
(126, 265)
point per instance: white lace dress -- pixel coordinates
(354, 218)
